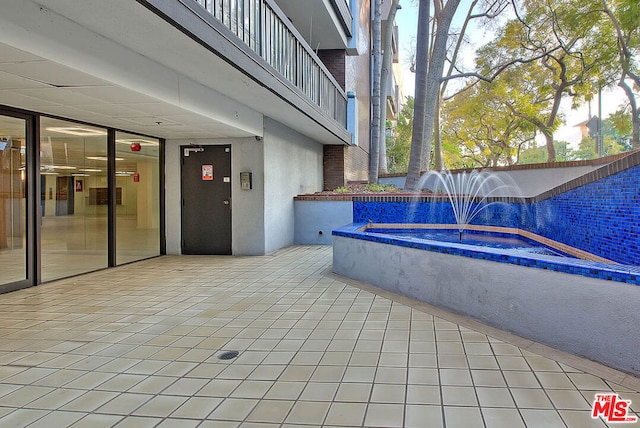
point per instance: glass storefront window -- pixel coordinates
(13, 245)
(73, 199)
(138, 210)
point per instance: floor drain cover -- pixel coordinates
(229, 355)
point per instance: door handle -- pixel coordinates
(226, 202)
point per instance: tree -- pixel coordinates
(428, 78)
(625, 17)
(399, 144)
(375, 99)
(558, 44)
(488, 134)
(419, 112)
(384, 78)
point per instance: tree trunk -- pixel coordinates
(374, 150)
(434, 76)
(438, 162)
(384, 78)
(635, 113)
(420, 98)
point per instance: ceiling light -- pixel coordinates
(80, 175)
(102, 158)
(77, 131)
(49, 173)
(57, 167)
(90, 170)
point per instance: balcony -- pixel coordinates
(264, 28)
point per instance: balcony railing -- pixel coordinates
(262, 27)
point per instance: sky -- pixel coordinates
(407, 21)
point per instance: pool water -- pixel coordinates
(472, 237)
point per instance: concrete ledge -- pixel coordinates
(587, 317)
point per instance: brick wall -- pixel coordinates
(334, 60)
(333, 167)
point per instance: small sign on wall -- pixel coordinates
(207, 172)
(78, 185)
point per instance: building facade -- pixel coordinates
(134, 128)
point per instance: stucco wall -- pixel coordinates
(527, 182)
(292, 166)
(314, 220)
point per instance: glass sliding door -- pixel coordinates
(13, 211)
(73, 199)
(138, 200)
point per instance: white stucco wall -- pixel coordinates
(529, 182)
(292, 166)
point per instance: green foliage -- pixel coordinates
(399, 143)
(379, 187)
(341, 189)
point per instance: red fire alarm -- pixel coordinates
(135, 147)
(136, 178)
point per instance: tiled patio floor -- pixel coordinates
(138, 346)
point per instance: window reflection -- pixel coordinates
(73, 179)
(13, 256)
(138, 212)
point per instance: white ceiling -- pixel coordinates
(33, 83)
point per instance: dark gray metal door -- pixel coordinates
(206, 199)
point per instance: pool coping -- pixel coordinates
(587, 264)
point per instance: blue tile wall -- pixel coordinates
(602, 217)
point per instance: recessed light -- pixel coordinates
(80, 175)
(90, 170)
(77, 131)
(102, 158)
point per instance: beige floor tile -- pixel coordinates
(319, 391)
(233, 409)
(90, 401)
(502, 418)
(308, 413)
(56, 399)
(531, 399)
(57, 418)
(542, 418)
(21, 397)
(384, 415)
(568, 400)
(124, 404)
(197, 407)
(22, 417)
(420, 416)
(459, 396)
(494, 397)
(252, 389)
(468, 417)
(346, 414)
(160, 406)
(388, 393)
(581, 419)
(97, 420)
(270, 411)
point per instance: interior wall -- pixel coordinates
(292, 166)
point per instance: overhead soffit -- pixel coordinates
(32, 82)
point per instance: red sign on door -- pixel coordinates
(207, 172)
